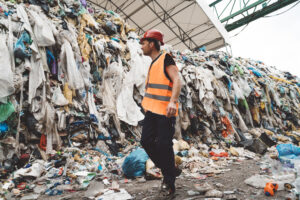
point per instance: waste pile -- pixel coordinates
(72, 80)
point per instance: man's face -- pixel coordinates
(146, 47)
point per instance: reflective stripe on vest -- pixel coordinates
(158, 90)
(157, 97)
(159, 86)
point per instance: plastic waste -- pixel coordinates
(288, 152)
(110, 28)
(6, 110)
(3, 127)
(112, 195)
(214, 193)
(21, 49)
(30, 197)
(94, 189)
(192, 193)
(135, 164)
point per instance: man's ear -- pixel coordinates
(151, 45)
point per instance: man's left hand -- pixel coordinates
(171, 109)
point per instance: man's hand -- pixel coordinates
(171, 109)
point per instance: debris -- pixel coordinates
(214, 193)
(72, 80)
(112, 195)
(203, 187)
(135, 164)
(193, 193)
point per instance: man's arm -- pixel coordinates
(174, 76)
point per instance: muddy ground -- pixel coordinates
(232, 181)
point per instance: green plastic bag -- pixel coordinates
(6, 110)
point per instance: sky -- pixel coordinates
(274, 40)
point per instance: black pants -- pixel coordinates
(157, 135)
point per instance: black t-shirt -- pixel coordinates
(167, 62)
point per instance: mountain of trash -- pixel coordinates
(71, 84)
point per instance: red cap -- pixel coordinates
(153, 34)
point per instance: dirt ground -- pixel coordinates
(232, 181)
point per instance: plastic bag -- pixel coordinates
(6, 75)
(135, 164)
(288, 150)
(3, 127)
(110, 28)
(6, 110)
(255, 72)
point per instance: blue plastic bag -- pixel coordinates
(255, 72)
(288, 151)
(135, 164)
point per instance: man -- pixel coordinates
(161, 106)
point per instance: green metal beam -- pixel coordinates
(242, 10)
(214, 3)
(260, 13)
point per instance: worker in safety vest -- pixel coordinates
(160, 103)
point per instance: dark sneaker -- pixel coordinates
(167, 192)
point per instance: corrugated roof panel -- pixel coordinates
(185, 24)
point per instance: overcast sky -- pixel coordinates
(273, 40)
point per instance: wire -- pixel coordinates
(269, 16)
(240, 31)
(283, 11)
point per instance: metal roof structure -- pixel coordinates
(186, 24)
(236, 13)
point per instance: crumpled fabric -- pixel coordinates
(84, 43)
(36, 76)
(21, 51)
(58, 98)
(42, 29)
(238, 91)
(69, 65)
(127, 109)
(241, 122)
(112, 80)
(6, 75)
(51, 129)
(228, 130)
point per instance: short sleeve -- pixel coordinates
(167, 62)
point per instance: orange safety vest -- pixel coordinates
(158, 88)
